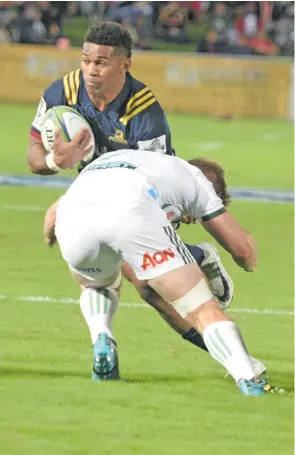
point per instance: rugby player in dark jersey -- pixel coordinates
(124, 113)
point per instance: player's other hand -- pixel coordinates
(49, 225)
(49, 229)
(50, 239)
(242, 263)
(66, 154)
(188, 219)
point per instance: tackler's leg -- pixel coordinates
(160, 259)
(188, 292)
(96, 268)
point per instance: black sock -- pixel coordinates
(195, 338)
(196, 252)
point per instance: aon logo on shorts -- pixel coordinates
(152, 260)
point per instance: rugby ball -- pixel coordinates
(69, 122)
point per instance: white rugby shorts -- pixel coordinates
(113, 214)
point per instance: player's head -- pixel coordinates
(215, 174)
(106, 56)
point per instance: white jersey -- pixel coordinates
(113, 210)
(181, 188)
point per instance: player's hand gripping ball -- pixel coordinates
(69, 122)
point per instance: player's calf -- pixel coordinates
(166, 311)
(98, 307)
(201, 310)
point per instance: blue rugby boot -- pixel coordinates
(105, 359)
(258, 388)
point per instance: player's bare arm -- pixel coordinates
(36, 157)
(219, 223)
(234, 239)
(66, 154)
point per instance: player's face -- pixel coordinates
(102, 68)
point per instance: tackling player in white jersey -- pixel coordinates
(211, 265)
(113, 211)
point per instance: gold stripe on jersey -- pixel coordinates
(127, 117)
(135, 97)
(67, 88)
(77, 82)
(140, 102)
(134, 105)
(71, 85)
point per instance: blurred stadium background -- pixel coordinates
(224, 73)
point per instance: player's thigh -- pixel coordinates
(154, 249)
(160, 260)
(80, 237)
(177, 282)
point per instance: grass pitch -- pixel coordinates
(173, 399)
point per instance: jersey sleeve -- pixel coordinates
(206, 205)
(53, 96)
(148, 126)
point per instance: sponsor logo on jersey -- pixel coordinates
(88, 270)
(152, 260)
(118, 137)
(110, 165)
(157, 144)
(50, 138)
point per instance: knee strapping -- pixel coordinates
(193, 299)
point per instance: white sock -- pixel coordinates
(226, 345)
(98, 307)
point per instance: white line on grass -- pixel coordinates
(205, 146)
(71, 301)
(271, 136)
(208, 146)
(23, 208)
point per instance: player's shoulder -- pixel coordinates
(54, 93)
(52, 96)
(64, 90)
(141, 101)
(140, 93)
(72, 83)
(135, 85)
(192, 172)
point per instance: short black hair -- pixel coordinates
(215, 174)
(110, 34)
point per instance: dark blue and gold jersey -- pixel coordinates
(134, 119)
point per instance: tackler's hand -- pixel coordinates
(188, 219)
(50, 238)
(49, 225)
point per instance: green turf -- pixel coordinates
(254, 152)
(173, 399)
